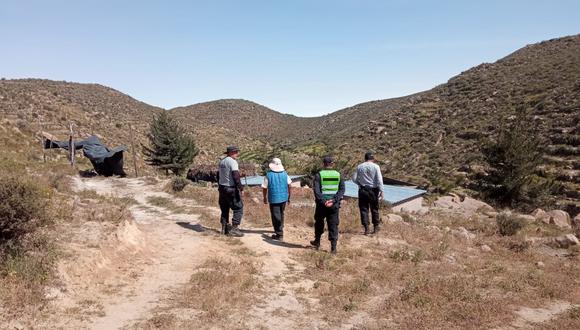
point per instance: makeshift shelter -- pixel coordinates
(105, 161)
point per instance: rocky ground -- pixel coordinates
(161, 264)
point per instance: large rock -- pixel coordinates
(558, 218)
(467, 205)
(566, 241)
(394, 218)
(576, 225)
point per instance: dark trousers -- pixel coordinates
(277, 213)
(368, 198)
(230, 199)
(330, 214)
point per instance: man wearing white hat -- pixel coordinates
(276, 190)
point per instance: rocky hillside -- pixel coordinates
(420, 137)
(29, 106)
(439, 130)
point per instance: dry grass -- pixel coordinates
(217, 292)
(436, 281)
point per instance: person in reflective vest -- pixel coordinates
(276, 190)
(328, 193)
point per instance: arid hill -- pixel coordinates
(437, 132)
(420, 137)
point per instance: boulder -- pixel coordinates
(467, 205)
(540, 264)
(393, 218)
(576, 225)
(463, 233)
(566, 241)
(485, 248)
(560, 219)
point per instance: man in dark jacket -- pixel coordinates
(328, 193)
(230, 192)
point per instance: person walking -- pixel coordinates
(369, 179)
(230, 192)
(277, 190)
(328, 193)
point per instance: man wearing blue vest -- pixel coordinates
(328, 193)
(276, 190)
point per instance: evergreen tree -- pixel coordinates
(513, 159)
(170, 147)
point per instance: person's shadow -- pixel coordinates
(255, 231)
(269, 240)
(196, 227)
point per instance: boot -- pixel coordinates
(225, 229)
(333, 247)
(235, 231)
(277, 237)
(367, 230)
(376, 229)
(315, 243)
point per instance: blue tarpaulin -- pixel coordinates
(392, 194)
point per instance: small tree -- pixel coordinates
(170, 147)
(513, 159)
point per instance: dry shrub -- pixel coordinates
(27, 249)
(178, 183)
(202, 195)
(22, 208)
(509, 224)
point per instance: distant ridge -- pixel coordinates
(417, 137)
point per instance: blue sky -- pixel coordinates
(301, 57)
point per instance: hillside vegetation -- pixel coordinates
(431, 138)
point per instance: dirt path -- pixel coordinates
(175, 250)
(176, 245)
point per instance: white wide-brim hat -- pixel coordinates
(276, 165)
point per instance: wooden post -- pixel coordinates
(41, 137)
(133, 150)
(71, 146)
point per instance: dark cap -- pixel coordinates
(369, 155)
(328, 160)
(231, 149)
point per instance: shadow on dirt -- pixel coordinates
(196, 227)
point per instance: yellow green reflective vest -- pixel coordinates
(329, 182)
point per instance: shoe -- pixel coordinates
(376, 229)
(225, 229)
(333, 247)
(315, 243)
(235, 232)
(367, 231)
(277, 237)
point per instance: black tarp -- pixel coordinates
(106, 161)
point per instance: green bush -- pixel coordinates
(22, 208)
(509, 224)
